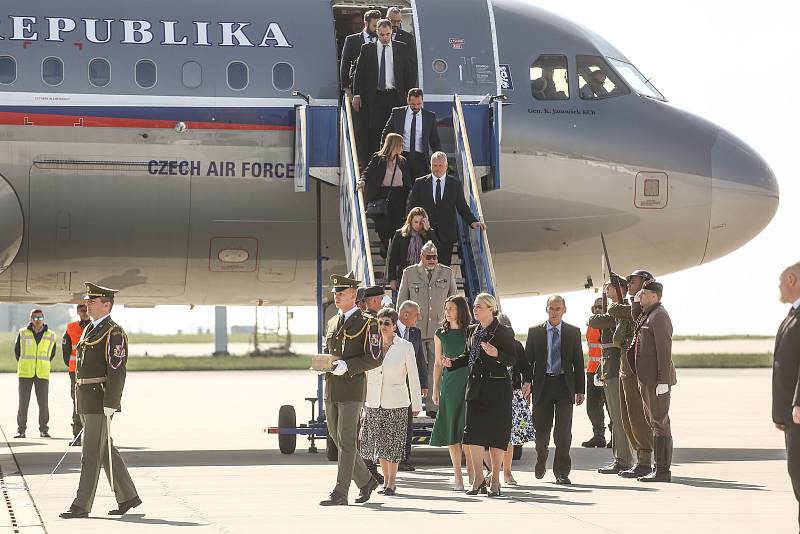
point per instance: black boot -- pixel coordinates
(598, 440)
(662, 450)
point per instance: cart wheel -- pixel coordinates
(287, 418)
(332, 452)
(517, 452)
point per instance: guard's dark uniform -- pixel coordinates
(102, 354)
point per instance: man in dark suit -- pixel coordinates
(554, 351)
(350, 52)
(786, 375)
(442, 196)
(419, 131)
(409, 315)
(383, 77)
(395, 16)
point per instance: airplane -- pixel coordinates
(149, 146)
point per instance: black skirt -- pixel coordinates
(489, 416)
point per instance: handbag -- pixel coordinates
(380, 206)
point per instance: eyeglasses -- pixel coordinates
(386, 323)
(37, 318)
(430, 256)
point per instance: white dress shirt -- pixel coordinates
(348, 313)
(367, 37)
(407, 131)
(97, 322)
(433, 185)
(796, 304)
(401, 329)
(389, 64)
(388, 385)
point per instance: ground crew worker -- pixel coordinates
(352, 337)
(69, 352)
(34, 349)
(595, 398)
(615, 290)
(656, 374)
(630, 399)
(102, 354)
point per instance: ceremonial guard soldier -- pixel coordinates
(100, 378)
(352, 337)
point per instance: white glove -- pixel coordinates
(340, 369)
(662, 388)
(109, 411)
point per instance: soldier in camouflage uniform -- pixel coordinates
(99, 380)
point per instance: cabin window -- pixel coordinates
(53, 71)
(238, 75)
(146, 74)
(597, 80)
(549, 78)
(192, 74)
(636, 79)
(8, 70)
(99, 72)
(282, 76)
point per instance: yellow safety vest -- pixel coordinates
(34, 359)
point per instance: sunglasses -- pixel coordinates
(430, 256)
(37, 318)
(386, 323)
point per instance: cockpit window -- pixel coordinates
(636, 80)
(597, 81)
(549, 78)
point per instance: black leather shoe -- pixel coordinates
(612, 469)
(406, 467)
(334, 500)
(540, 470)
(598, 441)
(19, 435)
(658, 475)
(563, 480)
(74, 513)
(636, 471)
(366, 491)
(373, 470)
(44, 434)
(125, 506)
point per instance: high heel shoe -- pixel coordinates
(479, 489)
(494, 493)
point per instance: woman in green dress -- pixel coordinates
(449, 385)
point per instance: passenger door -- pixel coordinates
(458, 47)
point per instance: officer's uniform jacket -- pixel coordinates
(351, 343)
(654, 347)
(623, 336)
(611, 350)
(101, 352)
(429, 295)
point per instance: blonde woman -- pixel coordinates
(406, 245)
(489, 352)
(386, 182)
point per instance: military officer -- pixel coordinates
(100, 378)
(352, 337)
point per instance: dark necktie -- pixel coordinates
(412, 142)
(555, 353)
(382, 73)
(340, 323)
(438, 196)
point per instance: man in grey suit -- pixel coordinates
(555, 353)
(428, 283)
(786, 375)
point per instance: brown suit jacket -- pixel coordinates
(654, 348)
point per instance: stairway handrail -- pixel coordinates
(474, 186)
(356, 172)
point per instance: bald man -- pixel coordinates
(786, 375)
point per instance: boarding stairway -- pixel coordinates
(476, 161)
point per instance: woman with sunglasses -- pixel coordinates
(489, 352)
(449, 385)
(383, 433)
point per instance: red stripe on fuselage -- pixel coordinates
(48, 119)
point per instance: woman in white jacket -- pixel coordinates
(383, 434)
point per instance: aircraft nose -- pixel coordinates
(744, 195)
(11, 225)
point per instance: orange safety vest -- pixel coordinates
(595, 349)
(74, 331)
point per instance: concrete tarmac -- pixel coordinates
(196, 451)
